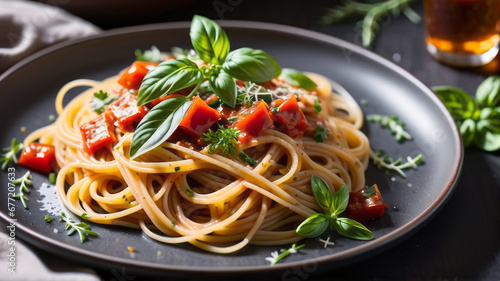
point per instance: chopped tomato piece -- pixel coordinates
(252, 121)
(199, 118)
(132, 77)
(38, 156)
(289, 118)
(126, 112)
(98, 133)
(366, 205)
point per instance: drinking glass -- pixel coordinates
(462, 32)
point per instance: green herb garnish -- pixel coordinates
(246, 158)
(478, 119)
(276, 257)
(82, 228)
(47, 218)
(298, 79)
(333, 204)
(369, 191)
(382, 160)
(372, 13)
(392, 122)
(223, 67)
(151, 55)
(9, 154)
(52, 178)
(320, 133)
(100, 100)
(317, 105)
(223, 140)
(23, 182)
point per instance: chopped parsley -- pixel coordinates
(222, 140)
(100, 100)
(321, 133)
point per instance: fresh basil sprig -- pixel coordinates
(478, 119)
(221, 69)
(333, 204)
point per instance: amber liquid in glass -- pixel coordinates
(467, 28)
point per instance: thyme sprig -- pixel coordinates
(382, 160)
(276, 257)
(9, 154)
(372, 13)
(23, 182)
(392, 122)
(71, 226)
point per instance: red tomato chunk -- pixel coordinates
(199, 118)
(366, 207)
(38, 156)
(252, 121)
(98, 133)
(126, 112)
(289, 118)
(132, 77)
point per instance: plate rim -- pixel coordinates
(368, 249)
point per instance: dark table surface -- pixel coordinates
(462, 242)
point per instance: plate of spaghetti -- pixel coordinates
(193, 147)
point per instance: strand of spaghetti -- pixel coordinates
(242, 171)
(68, 86)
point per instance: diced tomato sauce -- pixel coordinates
(199, 118)
(38, 156)
(251, 122)
(289, 118)
(126, 113)
(364, 208)
(98, 133)
(133, 76)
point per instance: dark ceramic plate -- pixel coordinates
(27, 99)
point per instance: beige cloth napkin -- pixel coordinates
(26, 27)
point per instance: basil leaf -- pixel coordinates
(340, 200)
(298, 79)
(488, 92)
(209, 40)
(158, 125)
(168, 77)
(487, 135)
(224, 87)
(459, 103)
(251, 65)
(321, 192)
(468, 131)
(313, 226)
(351, 229)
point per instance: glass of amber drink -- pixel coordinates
(462, 32)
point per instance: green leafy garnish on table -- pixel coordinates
(372, 11)
(23, 182)
(478, 119)
(223, 67)
(333, 204)
(9, 154)
(71, 226)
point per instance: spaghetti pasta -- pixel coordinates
(177, 194)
